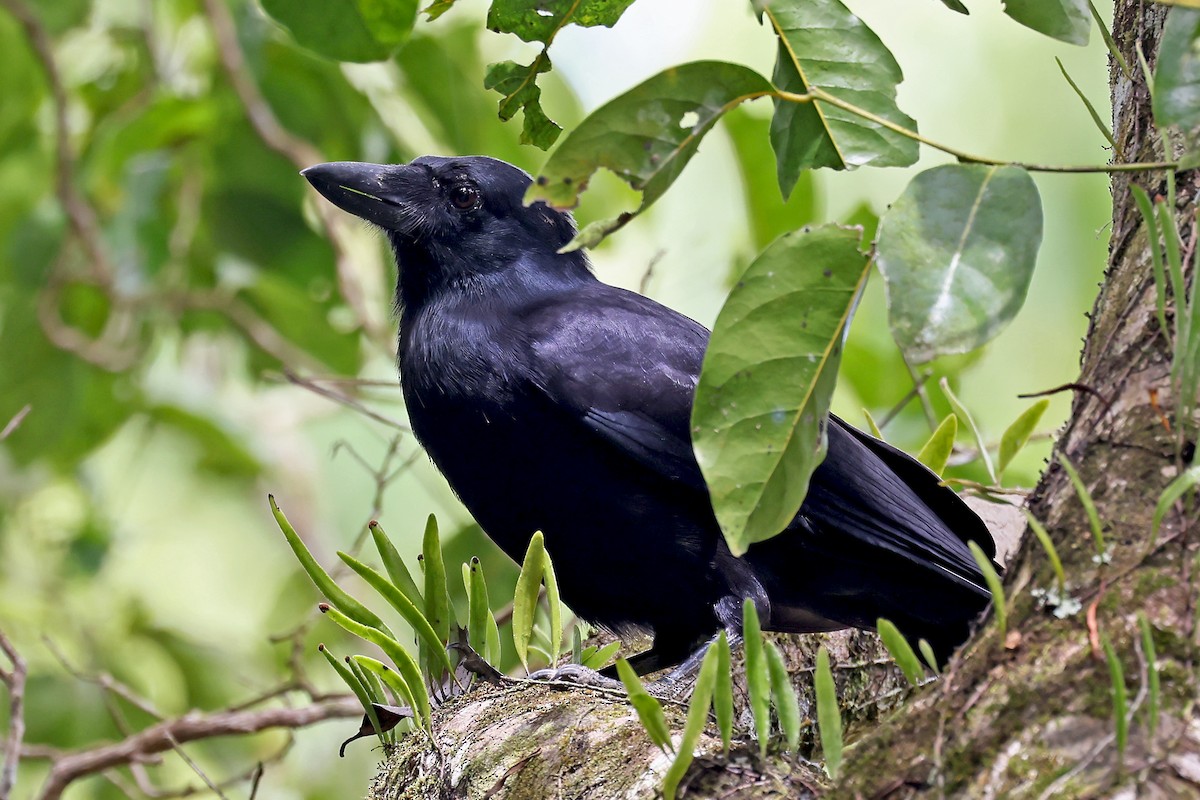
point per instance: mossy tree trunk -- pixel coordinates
(1032, 716)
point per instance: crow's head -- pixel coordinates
(453, 222)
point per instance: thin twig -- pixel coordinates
(15, 422)
(345, 400)
(195, 767)
(15, 681)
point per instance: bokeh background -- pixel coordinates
(135, 538)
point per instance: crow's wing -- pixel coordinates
(626, 368)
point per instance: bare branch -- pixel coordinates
(169, 734)
(345, 400)
(15, 681)
(15, 422)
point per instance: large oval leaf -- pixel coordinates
(823, 45)
(646, 136)
(1177, 76)
(758, 424)
(1066, 20)
(957, 250)
(347, 30)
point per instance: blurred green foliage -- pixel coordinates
(150, 307)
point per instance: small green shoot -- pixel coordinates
(787, 704)
(1106, 34)
(1185, 482)
(595, 658)
(1016, 436)
(377, 668)
(1091, 109)
(1156, 256)
(829, 716)
(758, 679)
(555, 605)
(929, 656)
(1089, 506)
(525, 600)
(697, 718)
(357, 686)
(995, 586)
(723, 692)
(648, 709)
(874, 428)
(325, 585)
(900, 650)
(437, 590)
(405, 665)
(961, 411)
(936, 452)
(1153, 683)
(1116, 674)
(1043, 537)
(480, 618)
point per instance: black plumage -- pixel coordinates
(554, 402)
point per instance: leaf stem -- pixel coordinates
(815, 93)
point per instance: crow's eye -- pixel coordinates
(464, 197)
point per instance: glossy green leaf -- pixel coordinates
(1017, 435)
(784, 698)
(961, 412)
(648, 709)
(697, 718)
(957, 251)
(529, 583)
(347, 30)
(393, 564)
(437, 590)
(647, 135)
(936, 452)
(955, 5)
(1066, 20)
(554, 602)
(760, 409)
(824, 46)
(517, 83)
(900, 650)
(404, 662)
(995, 586)
(355, 610)
(479, 608)
(404, 607)
(758, 677)
(597, 657)
(829, 716)
(1177, 488)
(926, 650)
(723, 692)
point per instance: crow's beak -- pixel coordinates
(358, 188)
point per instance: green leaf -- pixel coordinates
(517, 84)
(787, 704)
(1156, 255)
(1181, 485)
(957, 251)
(404, 662)
(347, 30)
(478, 610)
(648, 709)
(955, 5)
(555, 605)
(823, 47)
(525, 599)
(1089, 505)
(758, 421)
(995, 586)
(1017, 435)
(872, 425)
(1100, 124)
(598, 657)
(647, 135)
(929, 656)
(758, 680)
(374, 666)
(900, 650)
(404, 607)
(355, 610)
(829, 717)
(1066, 20)
(1116, 674)
(1176, 84)
(697, 718)
(436, 9)
(961, 412)
(936, 452)
(357, 685)
(539, 22)
(723, 692)
(396, 569)
(1177, 74)
(437, 589)
(1047, 543)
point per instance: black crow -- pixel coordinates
(553, 402)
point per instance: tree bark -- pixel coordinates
(1027, 715)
